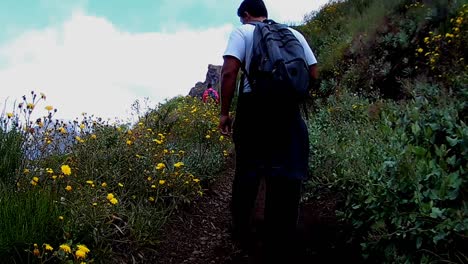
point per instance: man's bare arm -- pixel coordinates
(313, 71)
(229, 73)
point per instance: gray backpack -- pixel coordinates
(278, 69)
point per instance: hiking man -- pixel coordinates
(283, 162)
(210, 93)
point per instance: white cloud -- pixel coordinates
(292, 11)
(89, 65)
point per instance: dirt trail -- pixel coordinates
(199, 235)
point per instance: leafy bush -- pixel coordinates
(402, 171)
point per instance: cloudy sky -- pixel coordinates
(98, 56)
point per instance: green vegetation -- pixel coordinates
(92, 191)
(391, 137)
(387, 130)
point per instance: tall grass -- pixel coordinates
(10, 155)
(27, 217)
(366, 16)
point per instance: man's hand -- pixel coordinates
(225, 124)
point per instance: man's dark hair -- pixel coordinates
(255, 8)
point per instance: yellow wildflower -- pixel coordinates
(26, 171)
(90, 182)
(49, 108)
(162, 182)
(66, 169)
(113, 201)
(62, 130)
(179, 164)
(153, 186)
(9, 115)
(129, 142)
(207, 136)
(221, 138)
(30, 106)
(196, 180)
(68, 188)
(60, 218)
(160, 166)
(49, 170)
(110, 196)
(104, 184)
(33, 183)
(83, 248)
(120, 184)
(36, 179)
(82, 126)
(93, 136)
(65, 248)
(151, 199)
(158, 141)
(420, 50)
(80, 254)
(48, 247)
(54, 177)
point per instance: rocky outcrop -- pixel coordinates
(213, 77)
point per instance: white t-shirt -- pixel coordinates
(240, 46)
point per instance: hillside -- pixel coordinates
(388, 166)
(388, 135)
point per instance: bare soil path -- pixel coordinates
(200, 234)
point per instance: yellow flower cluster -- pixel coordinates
(112, 199)
(80, 253)
(445, 43)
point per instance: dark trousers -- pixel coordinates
(281, 211)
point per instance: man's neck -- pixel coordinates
(257, 19)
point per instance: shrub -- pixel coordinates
(402, 171)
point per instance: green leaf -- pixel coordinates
(415, 128)
(454, 180)
(452, 160)
(441, 235)
(436, 213)
(419, 241)
(452, 141)
(419, 151)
